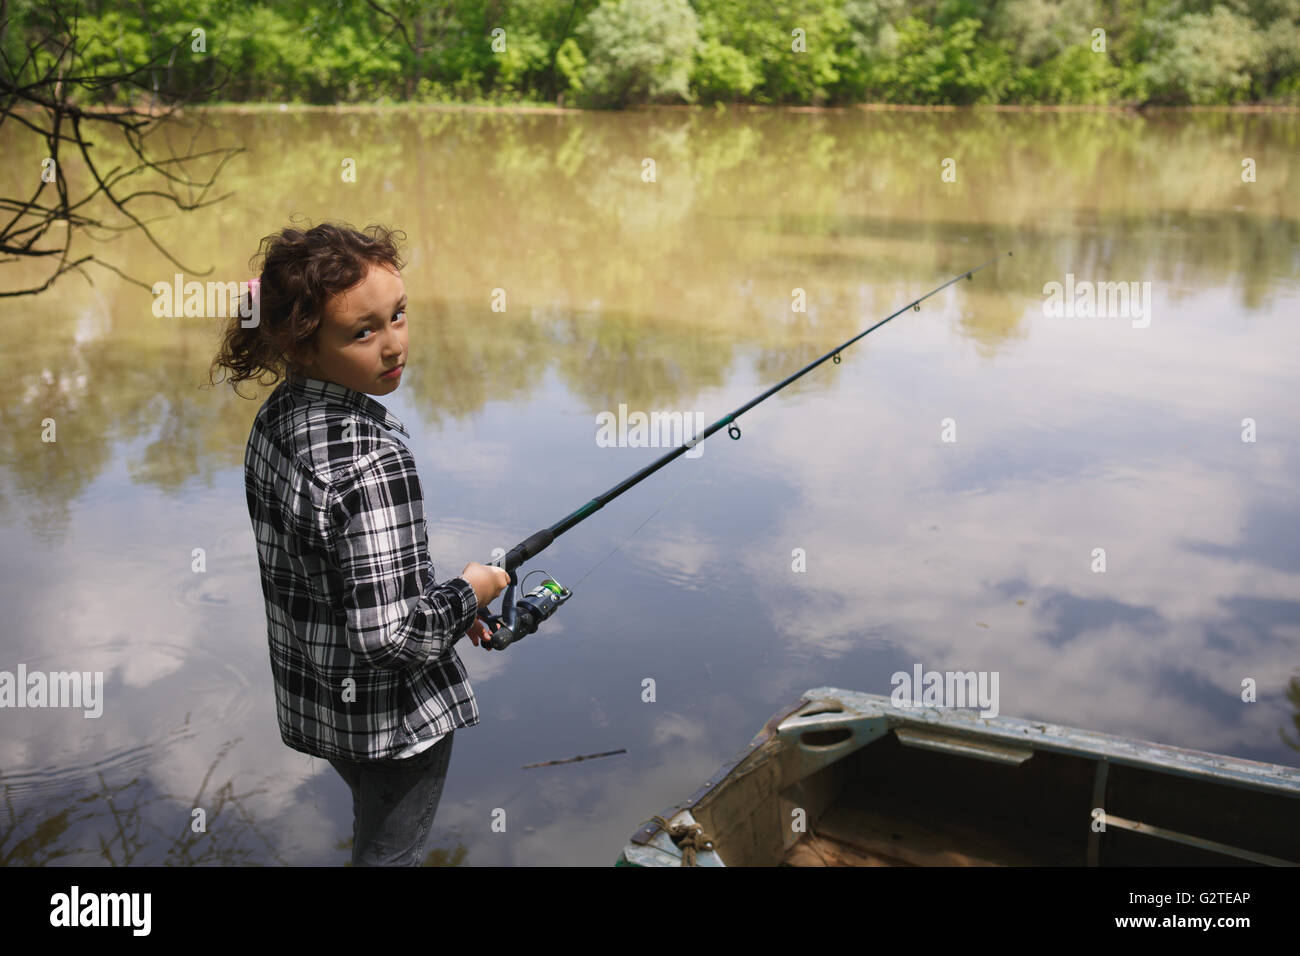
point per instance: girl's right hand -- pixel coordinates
(487, 581)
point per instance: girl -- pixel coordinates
(360, 635)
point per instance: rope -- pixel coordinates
(690, 838)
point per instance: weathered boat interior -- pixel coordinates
(891, 805)
(891, 790)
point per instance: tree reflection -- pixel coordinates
(646, 293)
(117, 824)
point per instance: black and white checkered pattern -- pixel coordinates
(338, 515)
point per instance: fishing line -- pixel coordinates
(520, 619)
(691, 481)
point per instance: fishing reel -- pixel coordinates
(521, 618)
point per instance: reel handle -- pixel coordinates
(504, 635)
(502, 638)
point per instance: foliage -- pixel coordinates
(931, 64)
(1204, 58)
(628, 52)
(791, 45)
(638, 51)
(571, 63)
(722, 72)
(1078, 75)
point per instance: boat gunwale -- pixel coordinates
(1277, 779)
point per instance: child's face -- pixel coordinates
(362, 335)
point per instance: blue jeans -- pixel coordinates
(393, 803)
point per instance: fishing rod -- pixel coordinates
(519, 619)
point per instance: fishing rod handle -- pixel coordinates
(505, 635)
(529, 547)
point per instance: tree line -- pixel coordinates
(624, 53)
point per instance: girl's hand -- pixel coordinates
(487, 580)
(480, 635)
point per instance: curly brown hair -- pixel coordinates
(301, 271)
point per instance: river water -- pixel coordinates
(944, 497)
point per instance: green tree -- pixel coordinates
(638, 50)
(793, 45)
(861, 47)
(623, 52)
(930, 64)
(1279, 74)
(570, 64)
(1204, 58)
(722, 72)
(1079, 75)
(1039, 30)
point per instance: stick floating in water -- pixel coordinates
(552, 763)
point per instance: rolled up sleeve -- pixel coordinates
(397, 616)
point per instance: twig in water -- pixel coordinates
(552, 763)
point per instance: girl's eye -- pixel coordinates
(399, 316)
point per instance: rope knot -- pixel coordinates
(690, 838)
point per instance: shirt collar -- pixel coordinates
(315, 389)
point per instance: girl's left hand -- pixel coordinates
(480, 635)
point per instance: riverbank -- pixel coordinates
(543, 110)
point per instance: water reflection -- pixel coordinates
(676, 295)
(131, 823)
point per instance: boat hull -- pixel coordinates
(844, 778)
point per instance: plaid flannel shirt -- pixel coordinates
(338, 515)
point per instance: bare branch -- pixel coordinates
(49, 94)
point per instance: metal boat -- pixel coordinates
(849, 779)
